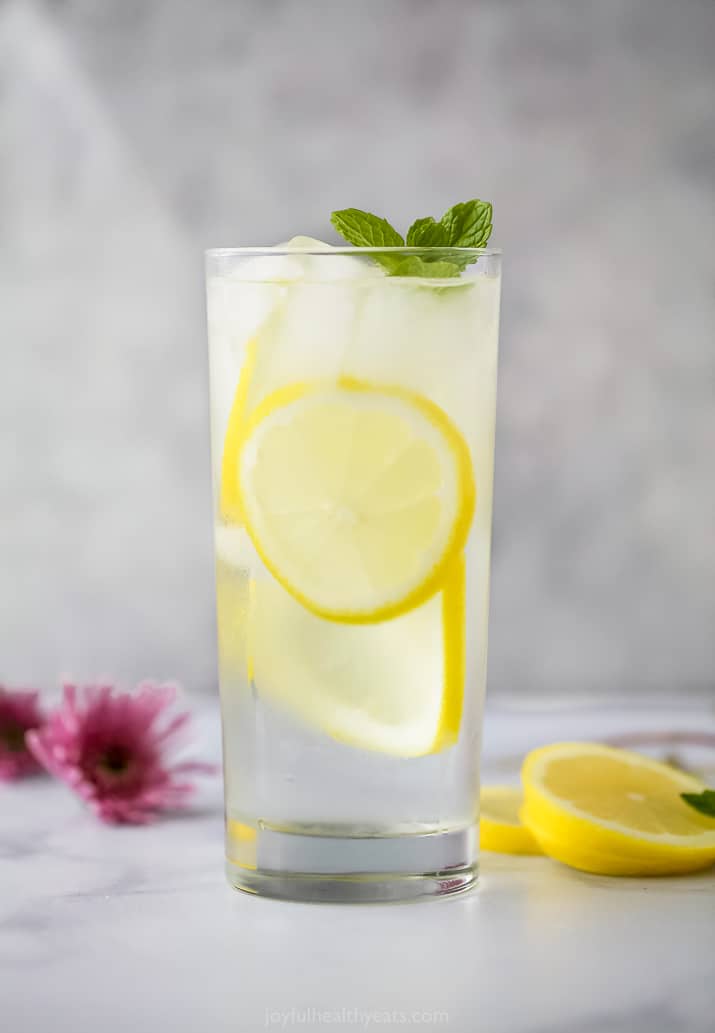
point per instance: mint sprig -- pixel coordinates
(465, 225)
(703, 802)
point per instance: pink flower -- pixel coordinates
(111, 748)
(19, 713)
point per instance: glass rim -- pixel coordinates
(282, 250)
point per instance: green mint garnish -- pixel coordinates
(703, 802)
(365, 230)
(467, 225)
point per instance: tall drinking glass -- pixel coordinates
(352, 418)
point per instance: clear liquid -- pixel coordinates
(300, 803)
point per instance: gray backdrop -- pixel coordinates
(133, 134)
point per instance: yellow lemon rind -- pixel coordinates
(454, 654)
(599, 862)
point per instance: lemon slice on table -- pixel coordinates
(614, 812)
(500, 827)
(356, 497)
(394, 687)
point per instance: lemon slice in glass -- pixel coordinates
(394, 687)
(356, 497)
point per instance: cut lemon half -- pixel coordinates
(357, 497)
(394, 687)
(500, 827)
(614, 812)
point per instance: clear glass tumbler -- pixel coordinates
(352, 417)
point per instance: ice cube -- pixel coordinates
(439, 343)
(332, 267)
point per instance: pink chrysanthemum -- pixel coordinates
(111, 748)
(19, 713)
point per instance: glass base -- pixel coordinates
(351, 889)
(301, 866)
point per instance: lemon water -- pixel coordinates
(352, 439)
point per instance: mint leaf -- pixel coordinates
(465, 225)
(468, 224)
(703, 802)
(427, 233)
(364, 229)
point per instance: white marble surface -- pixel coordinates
(121, 929)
